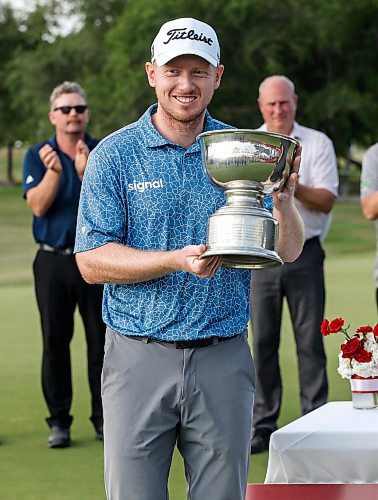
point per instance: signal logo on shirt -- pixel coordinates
(142, 186)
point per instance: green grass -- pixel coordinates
(350, 233)
(17, 156)
(29, 470)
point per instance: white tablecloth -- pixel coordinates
(333, 444)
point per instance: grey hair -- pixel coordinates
(66, 88)
(282, 78)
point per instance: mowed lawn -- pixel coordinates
(31, 471)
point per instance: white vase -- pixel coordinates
(364, 392)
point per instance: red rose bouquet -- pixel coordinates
(359, 353)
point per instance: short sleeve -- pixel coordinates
(33, 170)
(369, 173)
(102, 211)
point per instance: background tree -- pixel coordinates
(36, 65)
(329, 48)
(12, 42)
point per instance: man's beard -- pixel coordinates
(181, 121)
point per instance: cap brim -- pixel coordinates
(168, 56)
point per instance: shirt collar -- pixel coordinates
(89, 141)
(52, 142)
(296, 132)
(154, 139)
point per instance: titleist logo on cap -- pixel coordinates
(184, 33)
(185, 36)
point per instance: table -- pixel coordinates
(312, 491)
(333, 444)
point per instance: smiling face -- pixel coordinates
(73, 123)
(278, 105)
(184, 87)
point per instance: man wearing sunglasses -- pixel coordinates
(52, 175)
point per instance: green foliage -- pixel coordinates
(11, 40)
(329, 48)
(26, 75)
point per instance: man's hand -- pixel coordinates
(203, 268)
(81, 157)
(50, 158)
(120, 264)
(291, 233)
(288, 191)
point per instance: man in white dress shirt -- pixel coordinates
(301, 281)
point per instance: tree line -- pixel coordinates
(329, 48)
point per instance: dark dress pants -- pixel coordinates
(59, 289)
(302, 283)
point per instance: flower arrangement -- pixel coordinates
(359, 353)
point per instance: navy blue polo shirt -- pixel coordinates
(57, 227)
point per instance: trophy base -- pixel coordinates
(251, 258)
(246, 237)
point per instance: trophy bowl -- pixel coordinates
(249, 165)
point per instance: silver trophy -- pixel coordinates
(248, 165)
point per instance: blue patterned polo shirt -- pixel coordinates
(143, 191)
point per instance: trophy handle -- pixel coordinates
(279, 168)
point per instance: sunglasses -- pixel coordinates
(66, 110)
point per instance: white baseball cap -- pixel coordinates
(185, 36)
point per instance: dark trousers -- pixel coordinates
(59, 289)
(302, 283)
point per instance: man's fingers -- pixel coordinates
(297, 159)
(208, 266)
(45, 152)
(50, 157)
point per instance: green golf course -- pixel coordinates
(32, 471)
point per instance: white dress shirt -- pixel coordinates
(318, 170)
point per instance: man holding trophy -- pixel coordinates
(178, 368)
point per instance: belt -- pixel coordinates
(59, 251)
(183, 344)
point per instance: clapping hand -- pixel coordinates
(81, 157)
(50, 158)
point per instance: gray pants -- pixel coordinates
(156, 396)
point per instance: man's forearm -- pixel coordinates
(41, 197)
(291, 233)
(317, 199)
(120, 264)
(369, 205)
